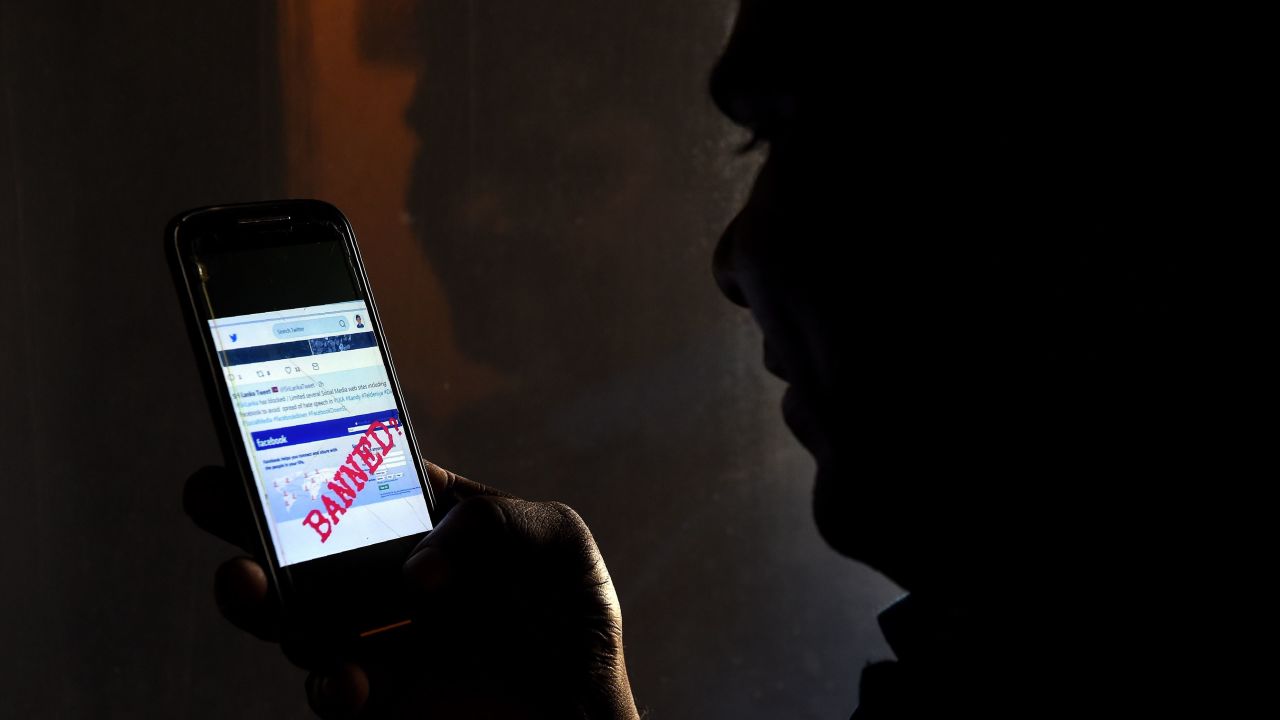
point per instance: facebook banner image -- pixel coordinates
(319, 420)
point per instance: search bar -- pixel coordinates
(319, 326)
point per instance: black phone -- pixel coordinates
(305, 398)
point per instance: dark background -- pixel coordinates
(537, 187)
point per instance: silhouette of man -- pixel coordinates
(949, 251)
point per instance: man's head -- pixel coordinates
(942, 250)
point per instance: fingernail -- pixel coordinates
(324, 689)
(321, 696)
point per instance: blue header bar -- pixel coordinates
(323, 430)
(296, 348)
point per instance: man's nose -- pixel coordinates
(722, 264)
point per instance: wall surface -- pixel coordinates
(537, 187)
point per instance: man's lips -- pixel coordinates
(772, 364)
(790, 405)
(796, 412)
(793, 414)
(801, 419)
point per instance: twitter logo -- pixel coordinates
(233, 337)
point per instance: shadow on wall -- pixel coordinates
(545, 278)
(570, 179)
(537, 188)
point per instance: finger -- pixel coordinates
(483, 530)
(215, 500)
(243, 595)
(450, 488)
(476, 524)
(340, 693)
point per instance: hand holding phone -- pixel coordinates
(304, 394)
(505, 609)
(515, 614)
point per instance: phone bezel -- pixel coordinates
(365, 567)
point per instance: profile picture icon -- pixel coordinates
(359, 322)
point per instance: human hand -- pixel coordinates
(514, 612)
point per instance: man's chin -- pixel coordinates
(834, 514)
(853, 524)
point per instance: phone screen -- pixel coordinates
(321, 427)
(284, 316)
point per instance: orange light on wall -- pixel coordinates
(347, 142)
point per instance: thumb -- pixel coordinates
(470, 535)
(450, 488)
(485, 538)
(520, 591)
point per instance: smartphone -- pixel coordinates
(303, 392)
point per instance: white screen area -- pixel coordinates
(321, 426)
